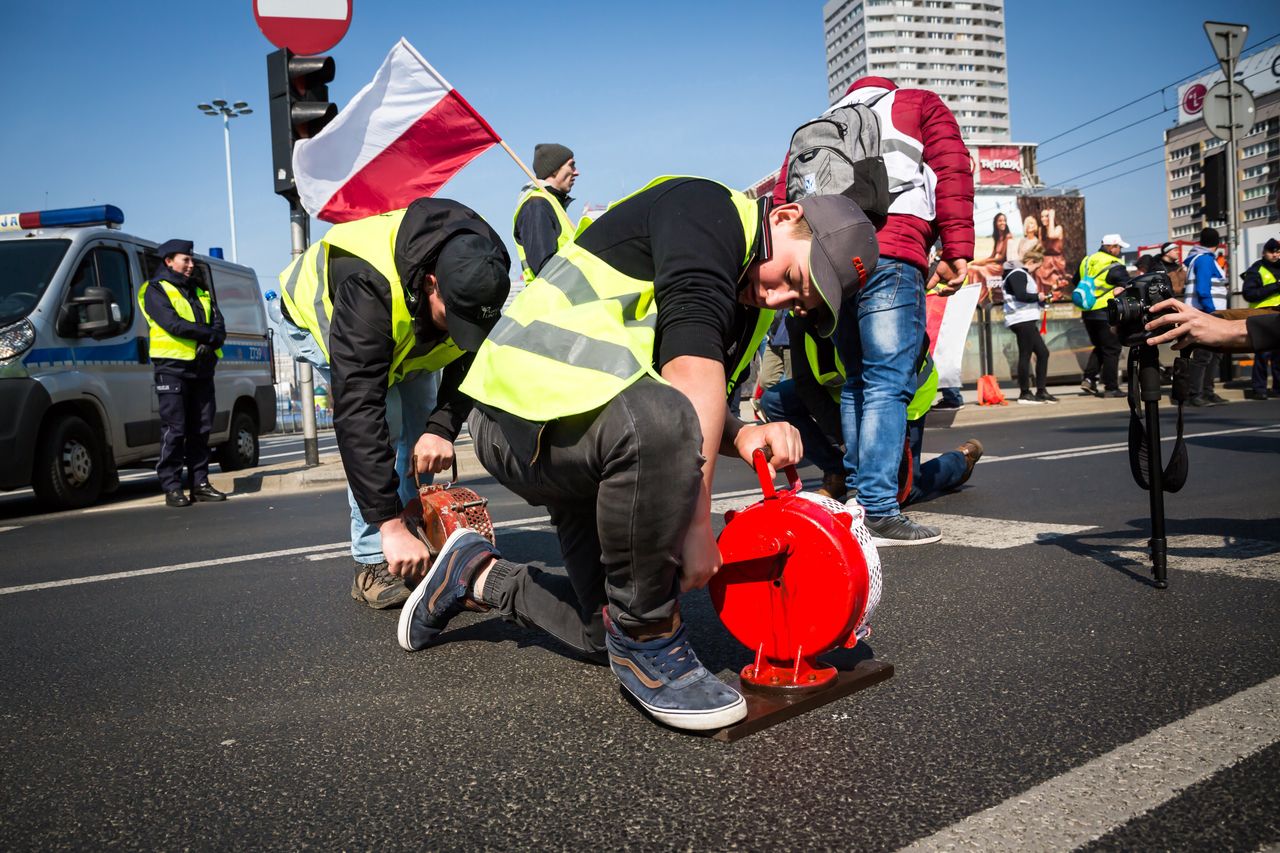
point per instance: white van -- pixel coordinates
(77, 398)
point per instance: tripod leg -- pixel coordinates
(1149, 387)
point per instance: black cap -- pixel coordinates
(474, 282)
(1168, 247)
(548, 157)
(843, 254)
(1272, 245)
(176, 247)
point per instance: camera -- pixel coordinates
(1130, 311)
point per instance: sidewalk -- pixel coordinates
(329, 474)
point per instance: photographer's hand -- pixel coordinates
(1189, 327)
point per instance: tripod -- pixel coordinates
(1148, 358)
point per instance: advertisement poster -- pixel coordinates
(1056, 225)
(997, 229)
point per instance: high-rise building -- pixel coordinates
(954, 49)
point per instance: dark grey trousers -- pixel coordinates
(620, 484)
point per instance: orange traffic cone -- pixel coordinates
(989, 393)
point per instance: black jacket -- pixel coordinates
(361, 347)
(1254, 289)
(211, 334)
(1264, 332)
(537, 228)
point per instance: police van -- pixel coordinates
(77, 398)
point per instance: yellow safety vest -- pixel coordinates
(1095, 267)
(532, 191)
(305, 291)
(1267, 278)
(833, 380)
(163, 344)
(582, 332)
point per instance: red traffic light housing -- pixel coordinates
(299, 95)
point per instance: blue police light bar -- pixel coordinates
(216, 252)
(101, 214)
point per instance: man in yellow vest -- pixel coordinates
(186, 330)
(541, 224)
(810, 401)
(1262, 290)
(1107, 273)
(392, 309)
(601, 395)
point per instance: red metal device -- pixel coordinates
(438, 510)
(795, 583)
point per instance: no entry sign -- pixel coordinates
(303, 26)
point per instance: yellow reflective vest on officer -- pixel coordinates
(305, 290)
(1094, 268)
(1267, 279)
(532, 191)
(832, 378)
(582, 332)
(163, 344)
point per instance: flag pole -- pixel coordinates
(519, 162)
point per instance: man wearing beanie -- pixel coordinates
(1262, 290)
(1207, 291)
(396, 305)
(601, 395)
(541, 224)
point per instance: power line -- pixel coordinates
(1148, 95)
(1108, 133)
(1108, 166)
(1159, 162)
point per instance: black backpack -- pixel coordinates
(838, 153)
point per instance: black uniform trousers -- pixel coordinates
(1104, 360)
(186, 419)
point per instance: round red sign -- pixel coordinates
(303, 26)
(1193, 100)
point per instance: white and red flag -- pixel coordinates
(402, 137)
(947, 320)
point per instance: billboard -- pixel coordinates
(1056, 223)
(1009, 165)
(1260, 72)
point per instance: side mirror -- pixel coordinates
(93, 315)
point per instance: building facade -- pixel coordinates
(956, 49)
(1189, 142)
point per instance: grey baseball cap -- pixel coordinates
(843, 254)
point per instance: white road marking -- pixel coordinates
(13, 527)
(1116, 447)
(177, 567)
(1244, 558)
(994, 533)
(1106, 793)
(342, 551)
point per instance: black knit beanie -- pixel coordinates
(548, 157)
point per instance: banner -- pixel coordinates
(947, 320)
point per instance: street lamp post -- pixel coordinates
(228, 112)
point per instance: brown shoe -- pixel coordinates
(833, 486)
(375, 586)
(972, 451)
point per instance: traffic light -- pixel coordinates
(300, 107)
(1214, 174)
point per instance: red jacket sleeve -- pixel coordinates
(780, 188)
(946, 154)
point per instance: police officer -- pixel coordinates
(542, 226)
(186, 332)
(393, 308)
(602, 395)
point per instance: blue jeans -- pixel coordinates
(936, 475)
(951, 396)
(409, 404)
(782, 403)
(878, 337)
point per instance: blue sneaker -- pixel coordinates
(667, 679)
(443, 593)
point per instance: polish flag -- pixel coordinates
(402, 137)
(947, 320)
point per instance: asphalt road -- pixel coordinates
(250, 703)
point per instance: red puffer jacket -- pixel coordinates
(921, 115)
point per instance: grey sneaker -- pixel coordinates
(375, 586)
(890, 530)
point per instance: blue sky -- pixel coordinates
(101, 98)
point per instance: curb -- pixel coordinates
(329, 474)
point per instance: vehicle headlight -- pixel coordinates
(16, 339)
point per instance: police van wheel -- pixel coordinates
(241, 449)
(69, 468)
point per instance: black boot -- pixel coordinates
(176, 498)
(205, 492)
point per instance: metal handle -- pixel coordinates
(760, 461)
(413, 464)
